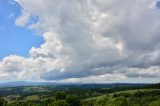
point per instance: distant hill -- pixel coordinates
(89, 85)
(24, 83)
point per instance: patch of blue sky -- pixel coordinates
(15, 40)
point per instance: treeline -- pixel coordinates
(59, 99)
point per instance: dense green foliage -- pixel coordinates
(73, 100)
(141, 97)
(60, 96)
(81, 95)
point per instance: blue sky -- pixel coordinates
(13, 39)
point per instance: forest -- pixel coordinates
(82, 95)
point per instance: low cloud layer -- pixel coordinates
(88, 41)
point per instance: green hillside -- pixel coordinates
(140, 97)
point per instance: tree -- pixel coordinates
(60, 96)
(59, 103)
(73, 100)
(155, 103)
(2, 102)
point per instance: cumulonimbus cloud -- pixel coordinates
(89, 39)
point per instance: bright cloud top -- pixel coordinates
(88, 41)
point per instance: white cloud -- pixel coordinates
(95, 79)
(11, 66)
(23, 19)
(91, 39)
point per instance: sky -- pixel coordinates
(14, 40)
(81, 41)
